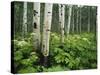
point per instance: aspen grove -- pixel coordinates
(54, 37)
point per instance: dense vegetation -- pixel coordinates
(78, 52)
(59, 39)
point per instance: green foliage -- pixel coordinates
(18, 55)
(77, 52)
(25, 56)
(27, 70)
(55, 68)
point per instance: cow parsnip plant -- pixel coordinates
(77, 52)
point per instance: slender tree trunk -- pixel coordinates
(46, 29)
(94, 20)
(88, 19)
(77, 25)
(62, 20)
(46, 32)
(73, 21)
(36, 26)
(80, 20)
(24, 28)
(69, 19)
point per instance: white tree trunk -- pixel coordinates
(62, 20)
(24, 28)
(77, 25)
(69, 19)
(46, 29)
(80, 19)
(36, 26)
(73, 21)
(88, 19)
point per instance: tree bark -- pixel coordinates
(88, 19)
(36, 26)
(46, 29)
(62, 20)
(69, 19)
(77, 23)
(24, 28)
(80, 20)
(73, 20)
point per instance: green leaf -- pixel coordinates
(18, 55)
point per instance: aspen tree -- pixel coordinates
(88, 19)
(77, 23)
(69, 19)
(73, 20)
(36, 26)
(62, 20)
(80, 19)
(24, 27)
(46, 29)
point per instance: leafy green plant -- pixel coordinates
(77, 52)
(27, 70)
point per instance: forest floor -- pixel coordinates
(78, 52)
